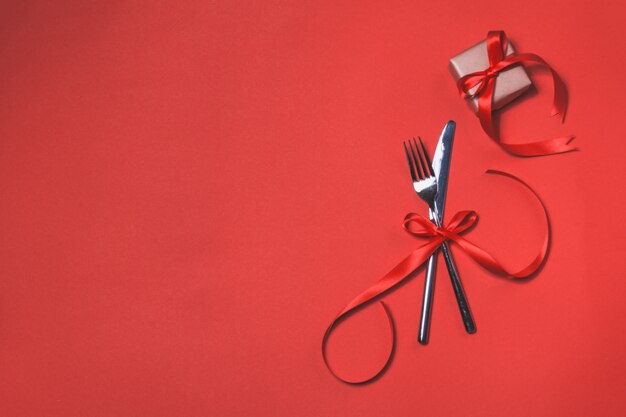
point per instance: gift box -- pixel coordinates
(509, 84)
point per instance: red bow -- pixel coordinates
(485, 80)
(420, 226)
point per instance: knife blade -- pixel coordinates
(441, 167)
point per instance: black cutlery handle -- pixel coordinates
(461, 299)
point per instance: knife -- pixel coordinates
(441, 167)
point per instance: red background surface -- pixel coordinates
(191, 190)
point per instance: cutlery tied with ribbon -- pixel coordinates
(420, 226)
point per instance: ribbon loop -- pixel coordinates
(420, 226)
(485, 80)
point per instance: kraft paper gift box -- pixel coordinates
(509, 84)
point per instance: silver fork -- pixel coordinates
(425, 185)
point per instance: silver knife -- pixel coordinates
(441, 167)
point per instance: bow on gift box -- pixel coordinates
(420, 226)
(485, 80)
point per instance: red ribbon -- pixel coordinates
(485, 80)
(420, 226)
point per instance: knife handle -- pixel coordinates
(461, 299)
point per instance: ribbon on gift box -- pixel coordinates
(420, 226)
(485, 80)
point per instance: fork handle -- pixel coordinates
(461, 299)
(427, 300)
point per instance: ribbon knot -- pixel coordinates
(485, 81)
(421, 227)
(491, 72)
(478, 79)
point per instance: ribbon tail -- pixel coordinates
(485, 111)
(487, 261)
(559, 102)
(394, 277)
(544, 147)
(539, 148)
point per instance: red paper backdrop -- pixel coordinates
(190, 191)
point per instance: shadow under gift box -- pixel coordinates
(509, 84)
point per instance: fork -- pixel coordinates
(425, 185)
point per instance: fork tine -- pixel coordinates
(416, 160)
(430, 165)
(422, 161)
(408, 158)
